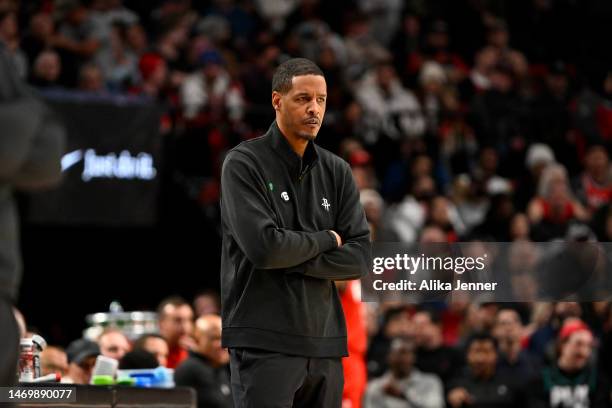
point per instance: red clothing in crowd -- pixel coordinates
(596, 194)
(355, 373)
(558, 217)
(176, 354)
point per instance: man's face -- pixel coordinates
(302, 108)
(577, 350)
(597, 161)
(81, 373)
(114, 345)
(176, 322)
(482, 357)
(422, 323)
(206, 304)
(159, 348)
(507, 325)
(209, 345)
(401, 360)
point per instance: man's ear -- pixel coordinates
(276, 100)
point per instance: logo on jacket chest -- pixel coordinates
(325, 204)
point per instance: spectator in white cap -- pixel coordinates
(554, 206)
(432, 79)
(538, 156)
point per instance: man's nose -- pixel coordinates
(314, 109)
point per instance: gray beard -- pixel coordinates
(307, 136)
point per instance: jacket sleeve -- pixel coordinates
(249, 218)
(352, 259)
(42, 168)
(32, 139)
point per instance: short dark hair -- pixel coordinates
(175, 301)
(479, 337)
(139, 344)
(137, 360)
(281, 81)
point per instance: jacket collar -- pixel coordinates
(201, 357)
(298, 166)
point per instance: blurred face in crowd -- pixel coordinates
(438, 40)
(439, 211)
(47, 66)
(498, 37)
(41, 25)
(114, 344)
(159, 348)
(136, 38)
(52, 360)
(558, 190)
(208, 338)
(206, 304)
(159, 75)
(519, 227)
(385, 75)
(212, 71)
(8, 27)
(597, 163)
(557, 84)
(488, 160)
(399, 325)
(608, 84)
(488, 311)
(327, 58)
(176, 322)
(177, 36)
(576, 351)
(486, 60)
(77, 16)
(300, 111)
(81, 373)
(564, 310)
(432, 234)
(421, 166)
(426, 334)
(424, 188)
(482, 358)
(412, 25)
(91, 79)
(507, 326)
(401, 358)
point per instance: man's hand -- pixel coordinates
(338, 239)
(458, 397)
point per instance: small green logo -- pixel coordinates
(271, 186)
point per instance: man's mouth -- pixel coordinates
(312, 121)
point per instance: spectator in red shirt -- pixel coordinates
(176, 326)
(355, 373)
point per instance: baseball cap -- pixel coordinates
(539, 153)
(81, 349)
(572, 326)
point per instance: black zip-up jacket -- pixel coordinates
(279, 259)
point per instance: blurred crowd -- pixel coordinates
(462, 120)
(476, 118)
(430, 355)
